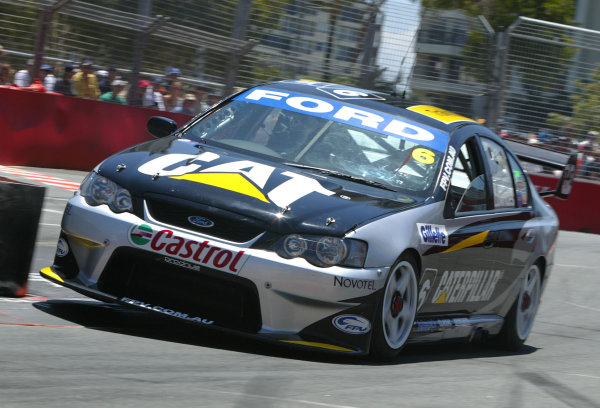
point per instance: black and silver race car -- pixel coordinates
(321, 216)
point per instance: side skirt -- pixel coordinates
(435, 329)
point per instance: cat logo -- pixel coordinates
(243, 177)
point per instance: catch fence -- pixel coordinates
(550, 78)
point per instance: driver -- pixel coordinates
(286, 132)
(266, 128)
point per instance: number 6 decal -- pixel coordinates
(424, 156)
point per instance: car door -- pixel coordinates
(514, 235)
(485, 217)
(460, 277)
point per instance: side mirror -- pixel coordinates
(563, 189)
(160, 126)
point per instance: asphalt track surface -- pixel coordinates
(60, 349)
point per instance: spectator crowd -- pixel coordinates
(167, 93)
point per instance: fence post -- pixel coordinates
(499, 73)
(368, 71)
(492, 74)
(238, 32)
(138, 55)
(332, 20)
(40, 40)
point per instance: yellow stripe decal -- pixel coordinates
(87, 242)
(48, 271)
(439, 114)
(441, 298)
(469, 242)
(320, 345)
(227, 181)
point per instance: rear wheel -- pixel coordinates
(396, 311)
(521, 316)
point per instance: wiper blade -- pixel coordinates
(341, 175)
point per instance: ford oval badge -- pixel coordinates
(200, 221)
(352, 324)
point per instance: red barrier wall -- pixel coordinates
(580, 212)
(57, 131)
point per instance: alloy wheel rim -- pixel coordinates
(529, 299)
(400, 304)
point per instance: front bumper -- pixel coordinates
(202, 279)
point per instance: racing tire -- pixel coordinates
(396, 310)
(520, 318)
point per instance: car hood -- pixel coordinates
(247, 187)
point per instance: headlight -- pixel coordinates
(323, 251)
(98, 190)
(330, 250)
(294, 245)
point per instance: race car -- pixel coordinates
(319, 216)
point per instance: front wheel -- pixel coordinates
(396, 311)
(519, 320)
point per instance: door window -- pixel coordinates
(502, 181)
(520, 180)
(468, 190)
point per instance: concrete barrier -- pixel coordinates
(20, 209)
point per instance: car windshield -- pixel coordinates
(313, 142)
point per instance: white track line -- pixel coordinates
(42, 178)
(583, 307)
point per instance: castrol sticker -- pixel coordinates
(200, 252)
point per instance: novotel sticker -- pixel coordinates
(352, 115)
(352, 324)
(168, 242)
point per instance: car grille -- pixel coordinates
(232, 228)
(229, 300)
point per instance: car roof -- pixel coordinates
(392, 104)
